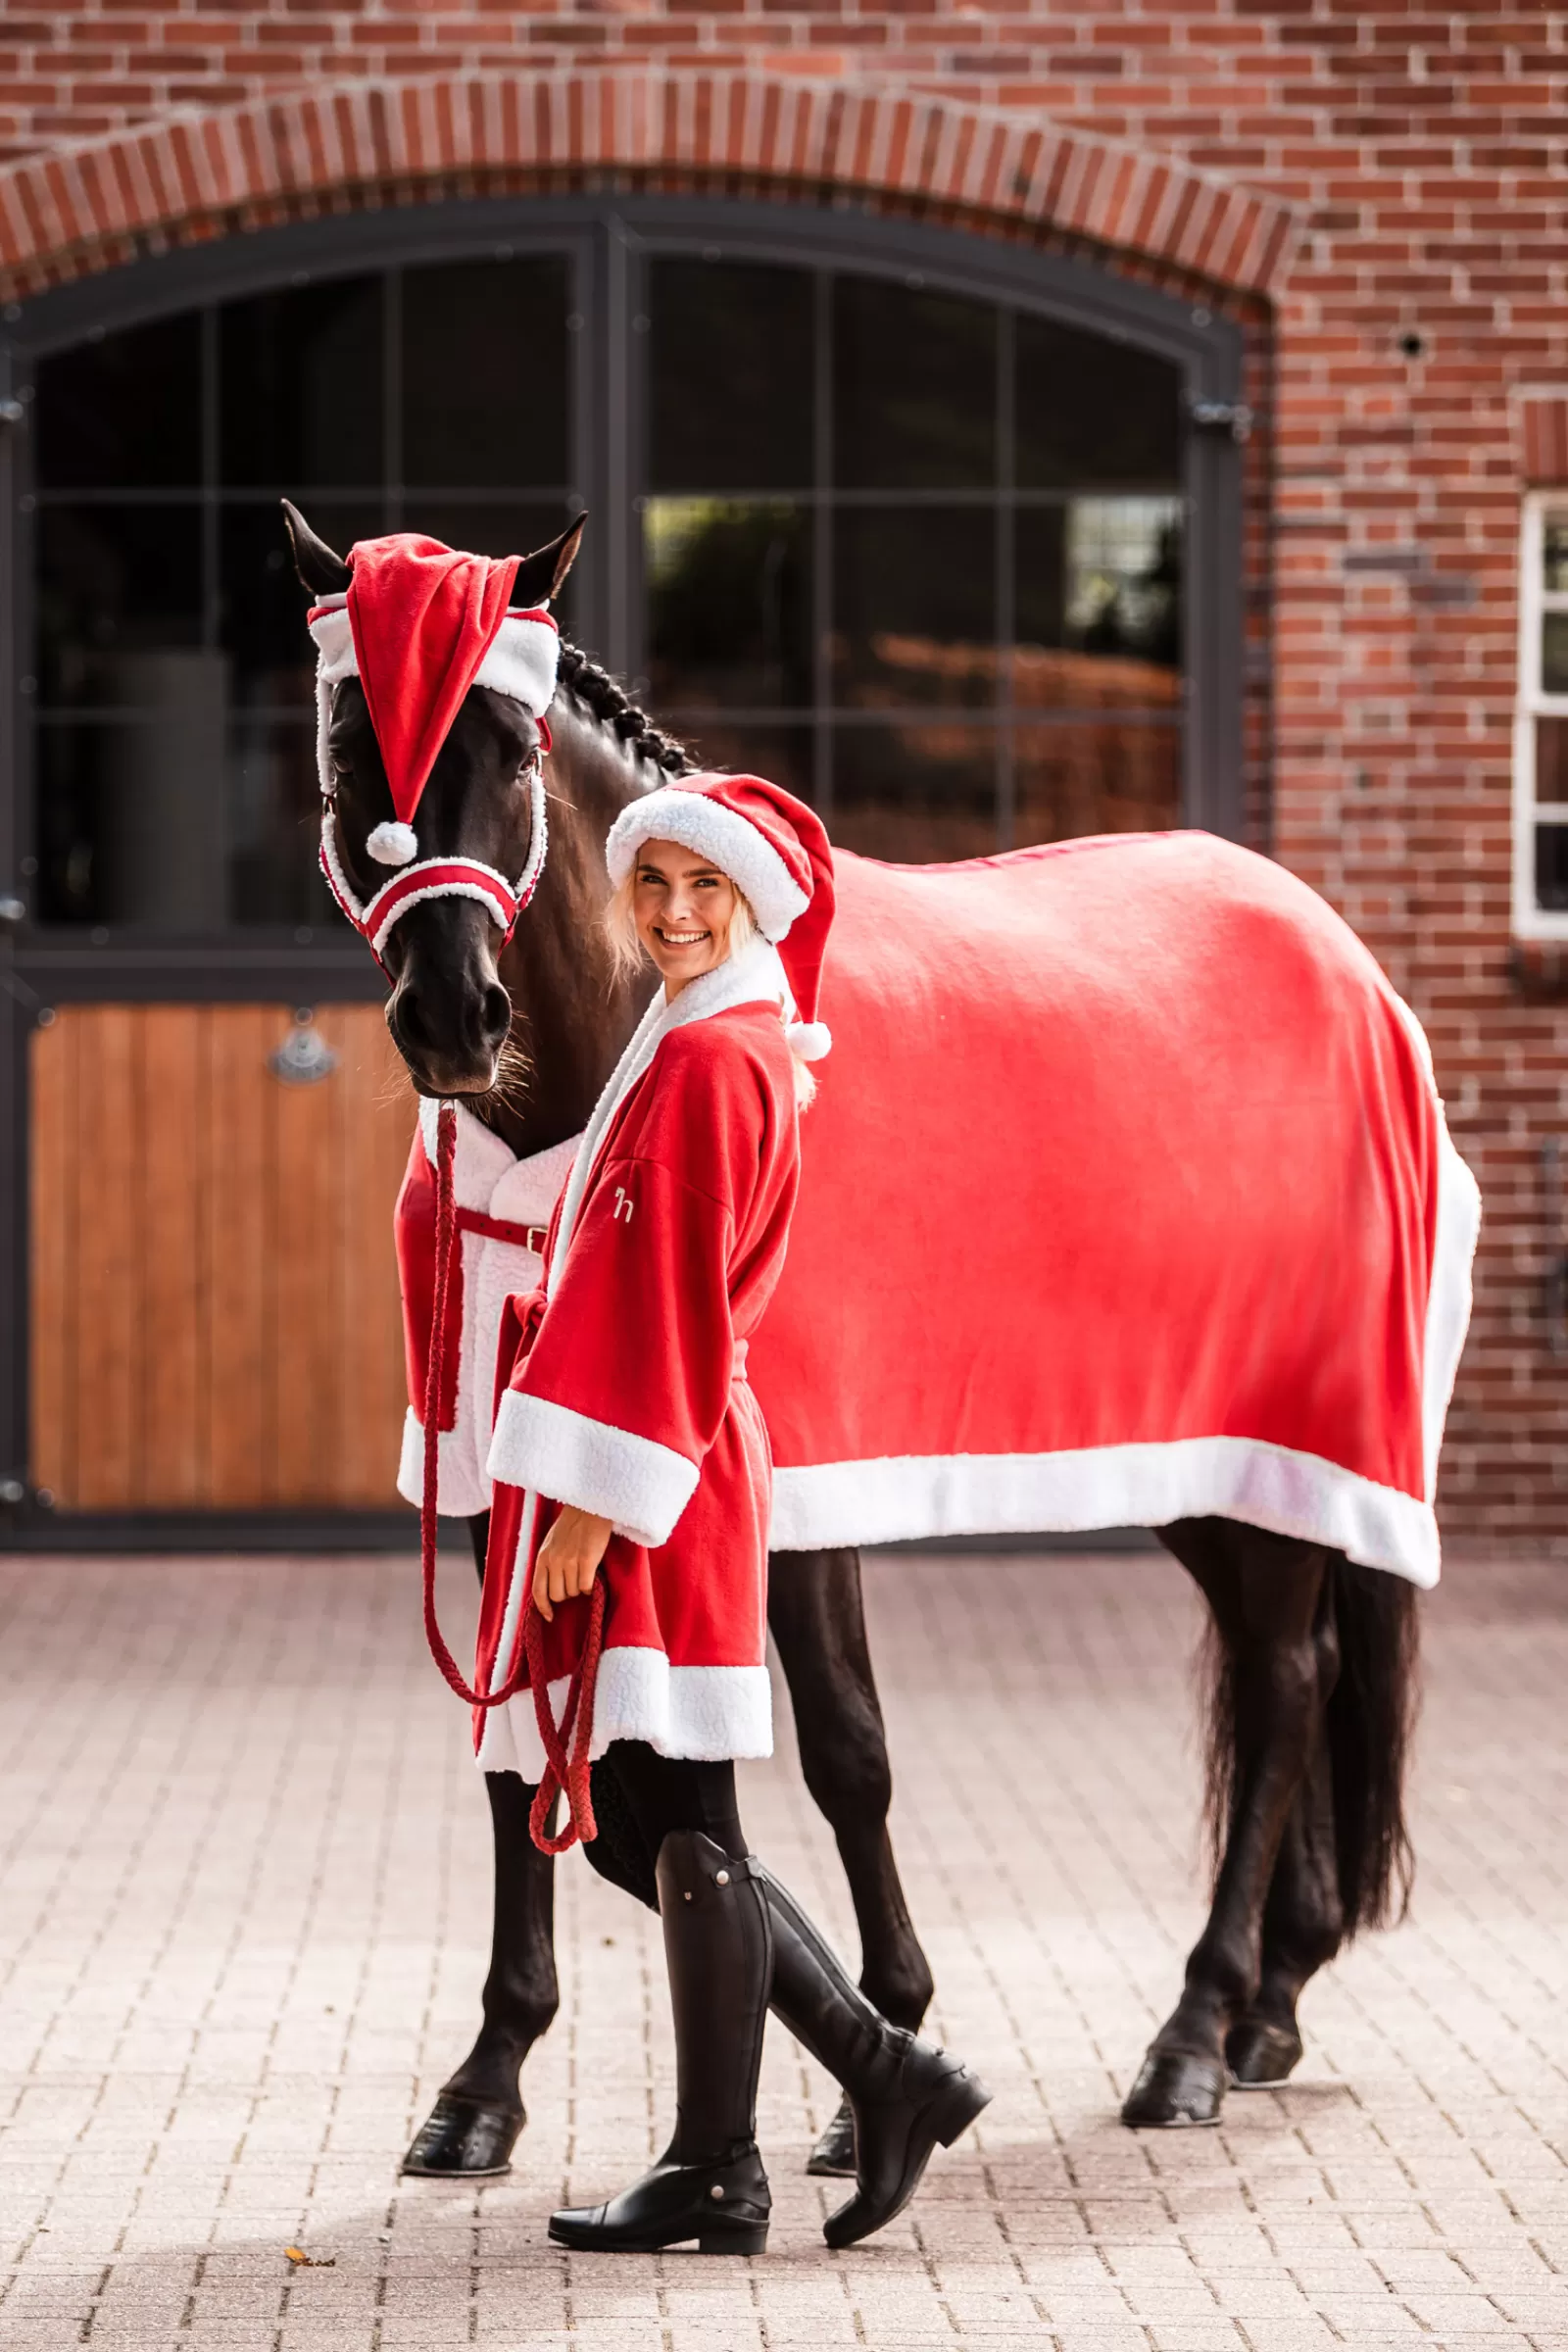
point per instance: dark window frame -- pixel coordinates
(607, 240)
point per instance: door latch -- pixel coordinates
(1232, 417)
(305, 1058)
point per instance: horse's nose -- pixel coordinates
(451, 1030)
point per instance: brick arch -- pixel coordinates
(70, 211)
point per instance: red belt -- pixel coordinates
(498, 1229)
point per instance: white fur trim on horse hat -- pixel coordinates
(521, 661)
(756, 860)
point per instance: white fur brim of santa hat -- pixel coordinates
(737, 845)
(520, 661)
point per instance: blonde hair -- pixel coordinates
(628, 956)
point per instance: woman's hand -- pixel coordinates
(567, 1560)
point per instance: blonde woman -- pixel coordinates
(630, 1454)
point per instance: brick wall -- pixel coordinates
(1378, 188)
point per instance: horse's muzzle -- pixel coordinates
(448, 1012)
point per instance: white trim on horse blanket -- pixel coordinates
(1127, 1197)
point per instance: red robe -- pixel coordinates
(625, 1391)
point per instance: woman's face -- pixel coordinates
(682, 908)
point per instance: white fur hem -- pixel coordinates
(892, 1500)
(459, 1490)
(734, 844)
(640, 1485)
(1449, 1299)
(704, 1712)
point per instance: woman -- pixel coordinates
(629, 1449)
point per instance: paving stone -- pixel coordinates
(244, 1919)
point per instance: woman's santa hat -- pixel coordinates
(774, 850)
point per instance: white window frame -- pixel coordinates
(1530, 920)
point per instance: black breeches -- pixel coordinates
(640, 1796)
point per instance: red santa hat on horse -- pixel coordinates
(419, 625)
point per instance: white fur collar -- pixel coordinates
(754, 977)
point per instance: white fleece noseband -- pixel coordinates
(521, 662)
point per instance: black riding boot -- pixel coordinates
(907, 2094)
(710, 2184)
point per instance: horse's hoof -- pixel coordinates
(1260, 2055)
(1175, 2089)
(464, 2139)
(834, 2152)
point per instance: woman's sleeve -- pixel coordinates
(628, 1382)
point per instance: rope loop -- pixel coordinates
(445, 1151)
(567, 1768)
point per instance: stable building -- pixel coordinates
(997, 425)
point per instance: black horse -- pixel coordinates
(1312, 1660)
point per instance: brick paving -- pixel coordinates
(244, 1921)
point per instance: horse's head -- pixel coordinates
(448, 1012)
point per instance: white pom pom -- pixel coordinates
(812, 1040)
(393, 844)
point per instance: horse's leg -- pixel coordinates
(1345, 1861)
(473, 2126)
(1265, 1593)
(1303, 1915)
(818, 1619)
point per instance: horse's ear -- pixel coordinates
(543, 574)
(319, 570)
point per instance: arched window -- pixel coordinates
(942, 533)
(912, 524)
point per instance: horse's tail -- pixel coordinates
(1371, 1715)
(1367, 1620)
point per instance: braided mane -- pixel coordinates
(595, 690)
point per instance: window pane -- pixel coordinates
(729, 588)
(1094, 413)
(118, 588)
(485, 374)
(915, 388)
(1552, 759)
(1554, 653)
(274, 825)
(1551, 869)
(124, 413)
(1098, 778)
(130, 813)
(180, 822)
(783, 754)
(1554, 554)
(915, 608)
(262, 605)
(300, 376)
(915, 794)
(730, 376)
(1098, 604)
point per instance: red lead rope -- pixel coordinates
(562, 1771)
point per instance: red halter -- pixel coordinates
(443, 877)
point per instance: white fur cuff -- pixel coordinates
(640, 1486)
(460, 1491)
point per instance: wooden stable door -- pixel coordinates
(214, 1301)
